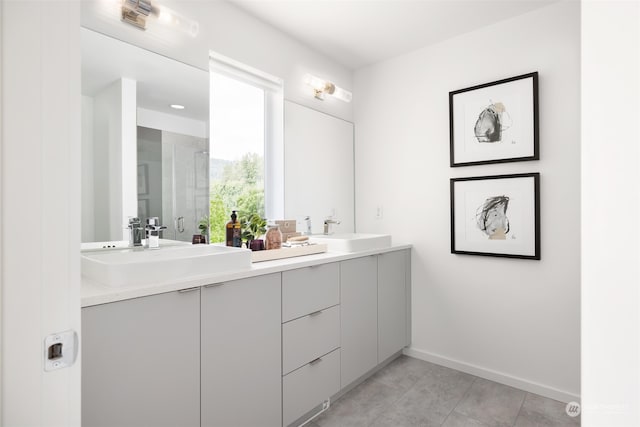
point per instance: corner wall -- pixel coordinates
(520, 324)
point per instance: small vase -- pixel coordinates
(257, 245)
(198, 239)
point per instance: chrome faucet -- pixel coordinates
(327, 225)
(153, 229)
(135, 232)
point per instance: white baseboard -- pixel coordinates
(526, 385)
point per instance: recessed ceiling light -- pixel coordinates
(177, 106)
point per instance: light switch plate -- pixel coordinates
(60, 350)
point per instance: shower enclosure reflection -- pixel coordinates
(173, 181)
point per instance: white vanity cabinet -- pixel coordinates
(241, 353)
(310, 338)
(359, 317)
(393, 291)
(141, 362)
(264, 350)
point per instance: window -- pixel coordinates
(246, 172)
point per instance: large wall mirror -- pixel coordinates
(319, 168)
(141, 157)
(145, 140)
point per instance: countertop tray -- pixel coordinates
(259, 256)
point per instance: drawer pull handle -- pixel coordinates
(184, 291)
(213, 285)
(315, 361)
(315, 313)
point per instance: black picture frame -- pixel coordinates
(518, 150)
(528, 214)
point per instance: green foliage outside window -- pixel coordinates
(236, 185)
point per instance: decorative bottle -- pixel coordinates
(273, 238)
(234, 231)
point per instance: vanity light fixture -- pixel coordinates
(321, 87)
(136, 12)
(177, 106)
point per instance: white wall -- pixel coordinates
(114, 159)
(610, 183)
(521, 327)
(88, 171)
(172, 123)
(231, 32)
(40, 204)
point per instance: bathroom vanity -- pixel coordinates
(261, 346)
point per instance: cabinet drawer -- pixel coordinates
(310, 337)
(310, 289)
(308, 386)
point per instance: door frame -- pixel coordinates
(40, 207)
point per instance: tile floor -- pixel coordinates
(411, 392)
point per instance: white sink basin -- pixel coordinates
(118, 245)
(353, 242)
(122, 267)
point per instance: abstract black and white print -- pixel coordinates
(492, 121)
(491, 217)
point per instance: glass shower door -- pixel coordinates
(185, 198)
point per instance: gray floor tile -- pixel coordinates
(538, 411)
(433, 396)
(361, 406)
(412, 393)
(397, 418)
(492, 403)
(403, 372)
(456, 419)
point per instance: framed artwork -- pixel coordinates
(496, 216)
(494, 122)
(143, 179)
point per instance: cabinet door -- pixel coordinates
(309, 289)
(392, 304)
(358, 309)
(241, 353)
(141, 362)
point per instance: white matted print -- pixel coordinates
(495, 122)
(496, 216)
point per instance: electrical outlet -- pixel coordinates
(378, 212)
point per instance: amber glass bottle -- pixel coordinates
(234, 231)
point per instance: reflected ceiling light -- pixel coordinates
(177, 106)
(136, 12)
(321, 87)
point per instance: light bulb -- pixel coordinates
(174, 19)
(342, 94)
(315, 82)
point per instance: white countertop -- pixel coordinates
(94, 293)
